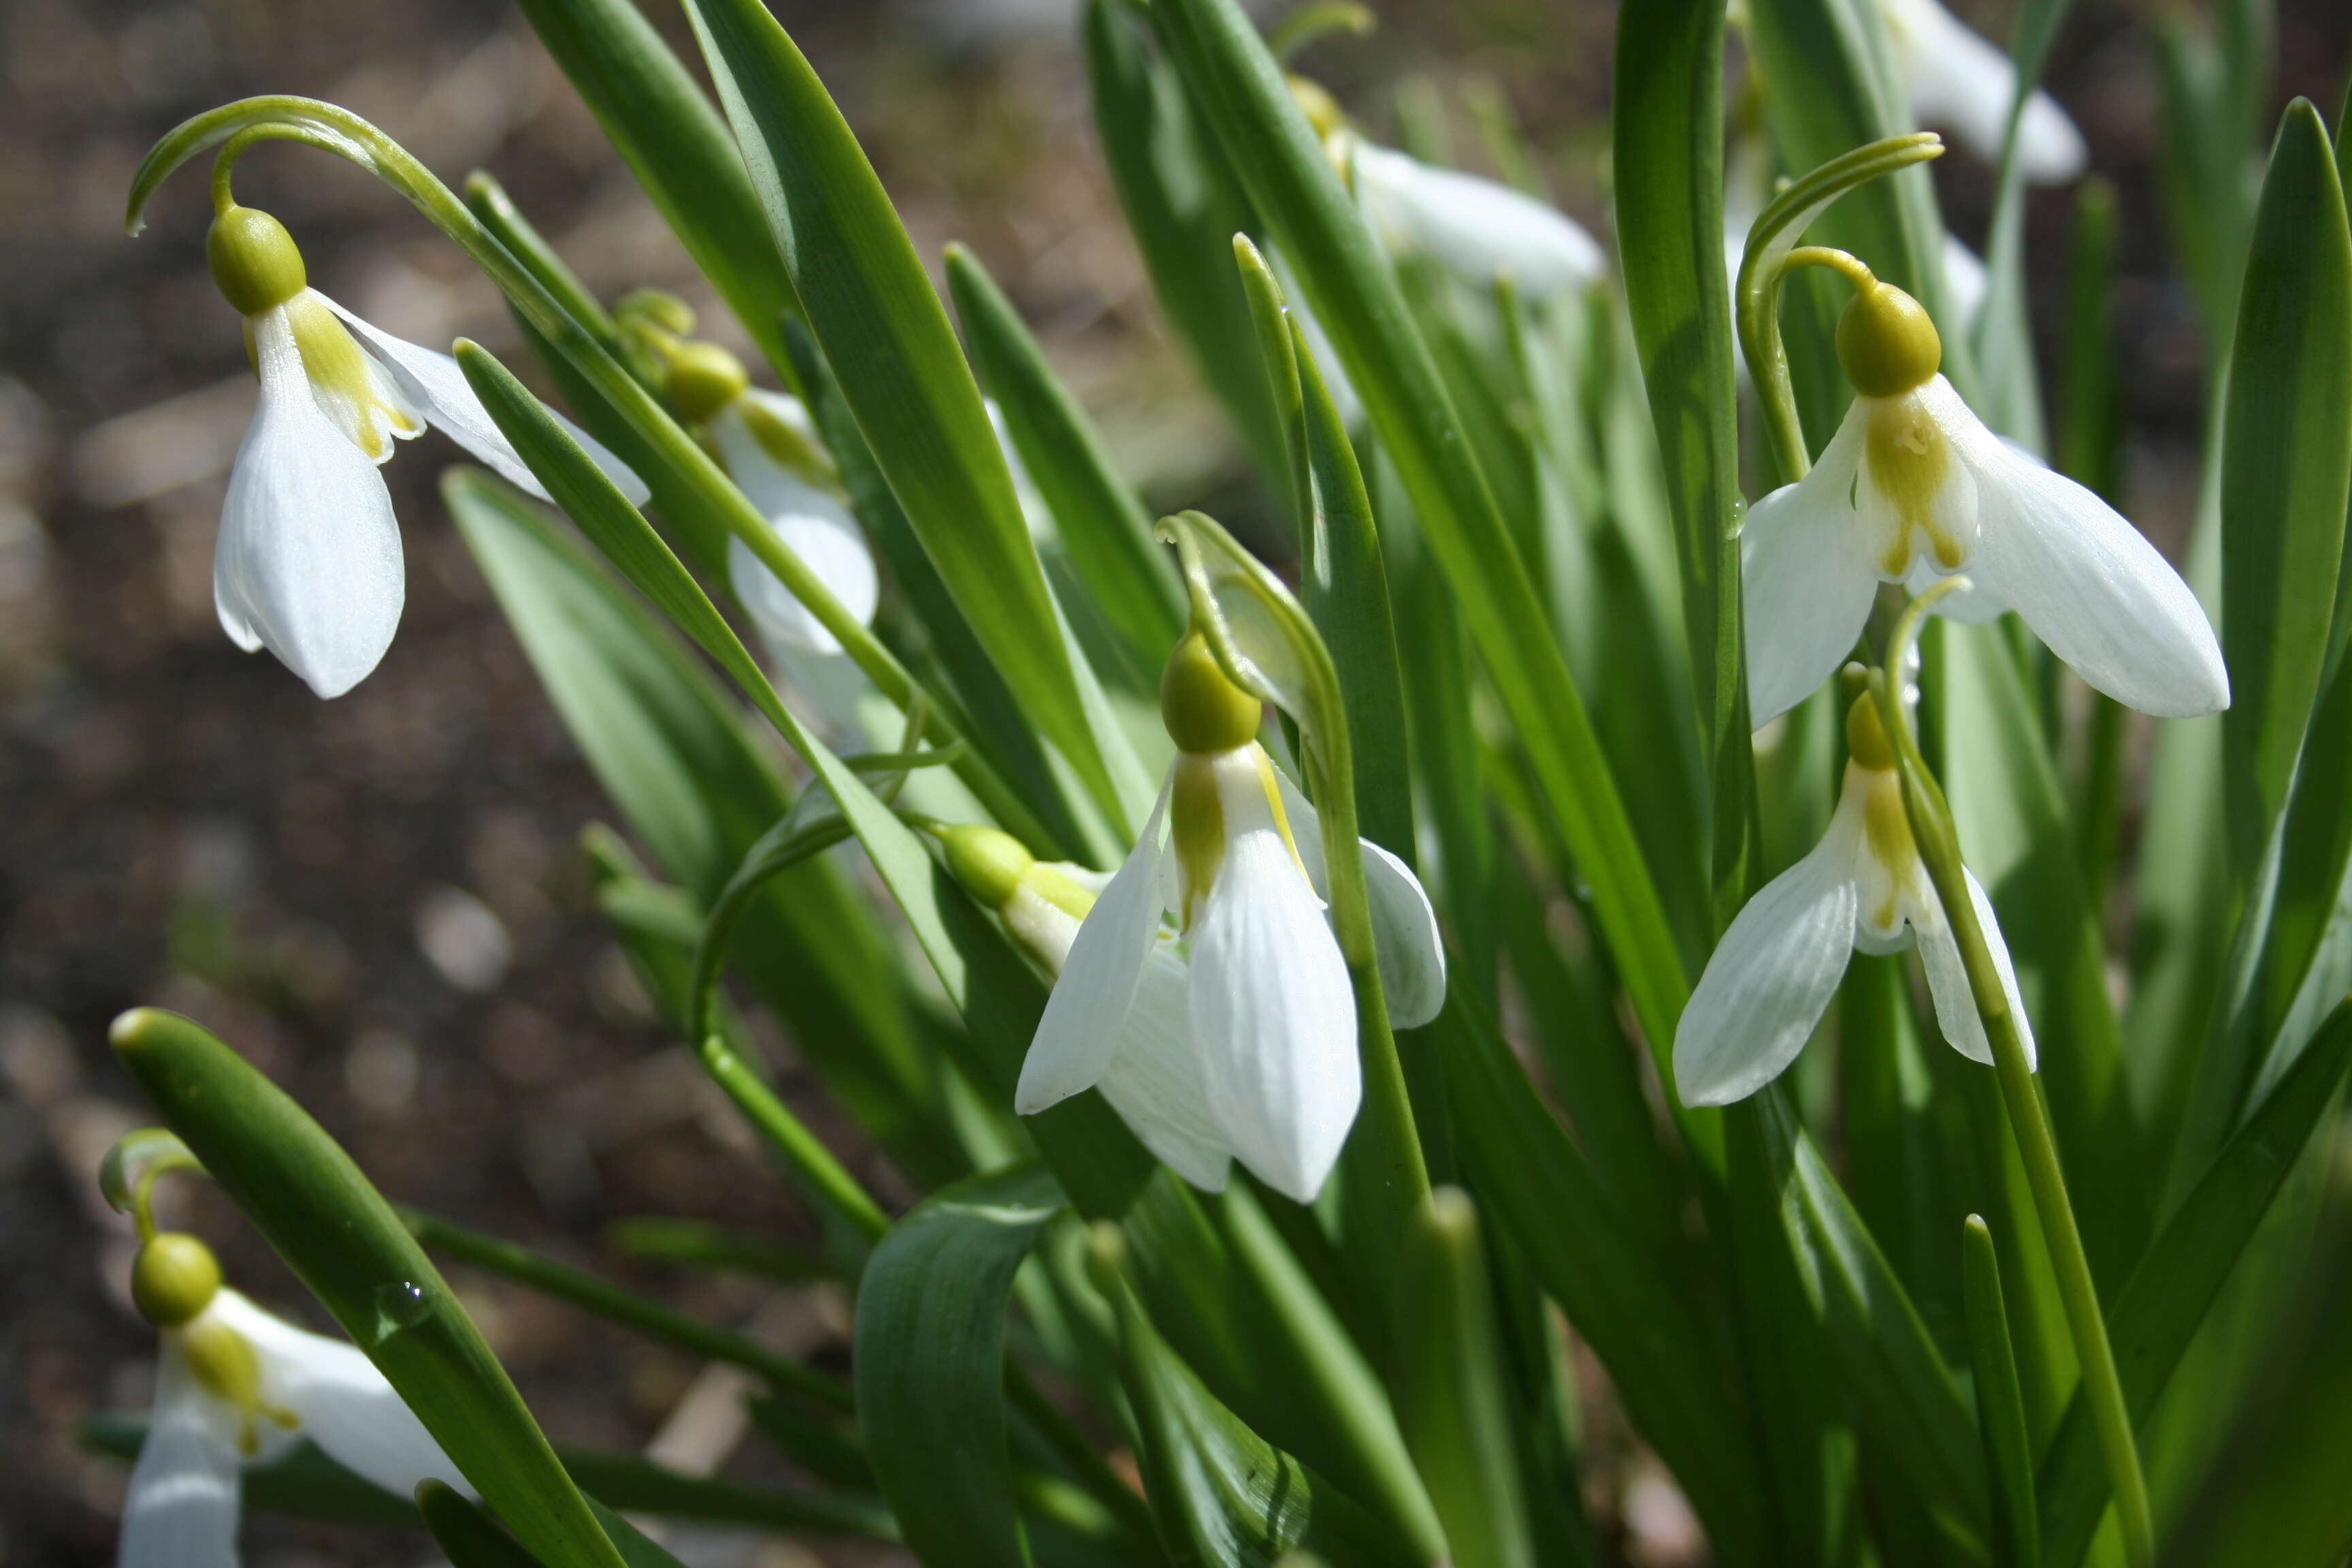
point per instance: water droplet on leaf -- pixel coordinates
(401, 1304)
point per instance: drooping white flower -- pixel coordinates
(236, 1386)
(1862, 888)
(1914, 487)
(1960, 82)
(1234, 853)
(769, 447)
(1471, 227)
(309, 559)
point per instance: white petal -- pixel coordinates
(1808, 579)
(1959, 80)
(1475, 227)
(309, 562)
(1974, 604)
(343, 1403)
(181, 1510)
(1770, 978)
(1155, 1084)
(1274, 1017)
(1080, 1032)
(437, 386)
(828, 543)
(1947, 980)
(1406, 942)
(2091, 585)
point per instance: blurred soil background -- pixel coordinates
(380, 900)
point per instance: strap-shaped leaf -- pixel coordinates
(2176, 1282)
(657, 117)
(884, 331)
(1534, 1184)
(931, 1363)
(344, 1243)
(1667, 105)
(2000, 1404)
(1222, 1497)
(469, 1537)
(1355, 295)
(1101, 520)
(2286, 471)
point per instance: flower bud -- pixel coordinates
(702, 379)
(174, 1278)
(1886, 342)
(988, 862)
(1866, 735)
(1205, 711)
(254, 260)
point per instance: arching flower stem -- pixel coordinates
(1933, 830)
(236, 127)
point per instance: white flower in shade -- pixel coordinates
(1958, 80)
(1913, 487)
(308, 560)
(1864, 887)
(1471, 227)
(1234, 853)
(769, 447)
(236, 1386)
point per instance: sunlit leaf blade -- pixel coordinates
(657, 117)
(886, 337)
(2174, 1285)
(2286, 471)
(1667, 104)
(343, 1240)
(931, 1363)
(1222, 1497)
(1355, 295)
(1102, 523)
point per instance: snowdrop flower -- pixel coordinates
(1862, 888)
(236, 1386)
(1474, 227)
(1957, 79)
(1913, 487)
(1152, 1074)
(308, 560)
(1237, 855)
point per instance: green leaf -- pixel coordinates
(2000, 1404)
(1667, 108)
(1324, 237)
(2008, 389)
(2175, 1284)
(931, 1363)
(655, 115)
(1102, 523)
(673, 755)
(344, 1243)
(2286, 472)
(1222, 1497)
(889, 342)
(1184, 205)
(466, 1536)
(1450, 1397)
(1536, 1186)
(1904, 1396)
